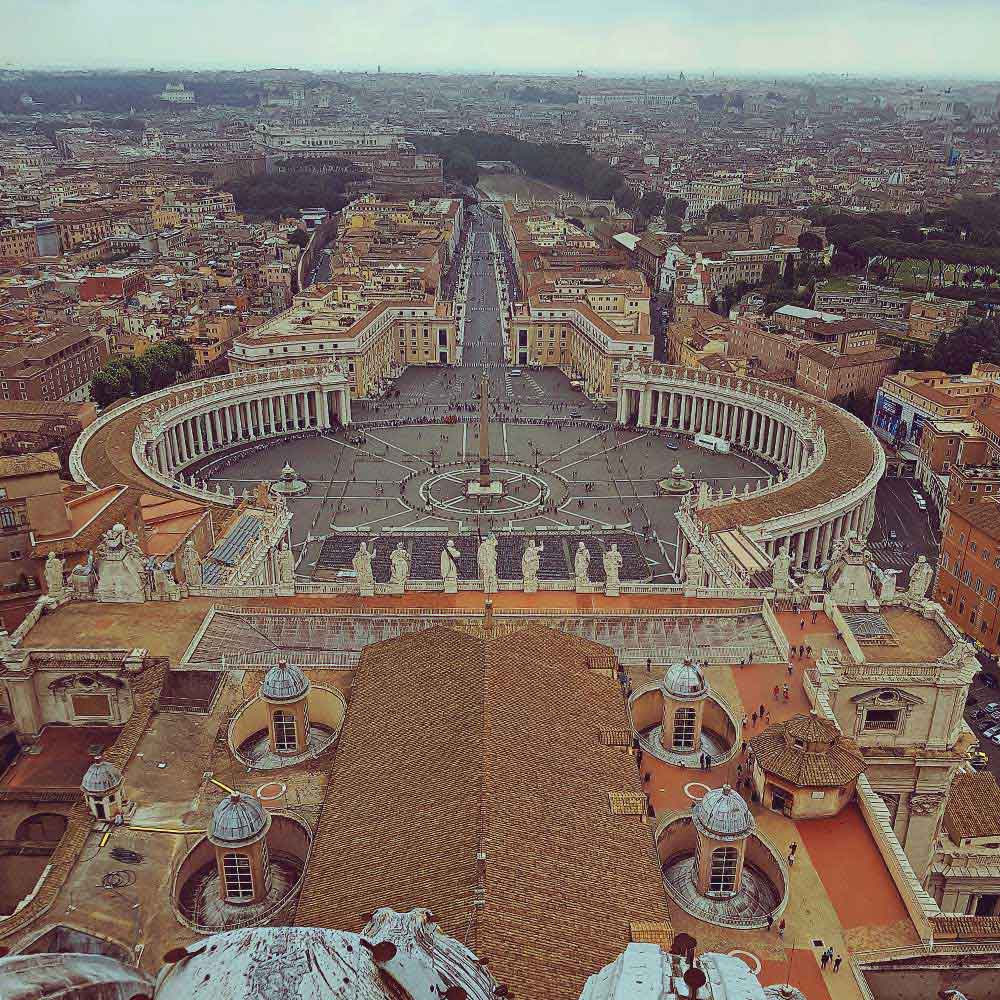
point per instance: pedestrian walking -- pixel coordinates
(785, 691)
(836, 963)
(792, 848)
(781, 928)
(791, 860)
(777, 691)
(802, 623)
(754, 718)
(744, 721)
(761, 710)
(791, 669)
(802, 650)
(824, 959)
(770, 920)
(815, 615)
(809, 651)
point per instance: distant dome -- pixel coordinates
(723, 815)
(284, 682)
(102, 777)
(684, 680)
(238, 819)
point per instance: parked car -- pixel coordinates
(988, 734)
(515, 371)
(673, 445)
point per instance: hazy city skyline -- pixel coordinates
(770, 37)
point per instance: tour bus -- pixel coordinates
(711, 443)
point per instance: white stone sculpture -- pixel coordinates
(581, 569)
(530, 561)
(365, 575)
(449, 567)
(694, 570)
(81, 578)
(781, 569)
(285, 565)
(887, 590)
(120, 567)
(54, 582)
(191, 565)
(921, 575)
(399, 562)
(486, 560)
(612, 568)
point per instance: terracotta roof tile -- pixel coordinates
(973, 808)
(469, 780)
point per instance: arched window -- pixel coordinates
(285, 737)
(7, 517)
(722, 877)
(43, 827)
(238, 876)
(684, 729)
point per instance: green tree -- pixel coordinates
(789, 274)
(719, 213)
(958, 351)
(675, 207)
(299, 238)
(651, 204)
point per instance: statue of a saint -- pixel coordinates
(285, 564)
(449, 567)
(191, 564)
(694, 569)
(921, 575)
(581, 567)
(54, 582)
(486, 559)
(781, 568)
(81, 578)
(612, 568)
(399, 562)
(529, 565)
(362, 563)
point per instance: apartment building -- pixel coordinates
(47, 364)
(967, 582)
(18, 245)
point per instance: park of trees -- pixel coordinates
(156, 368)
(565, 165)
(277, 196)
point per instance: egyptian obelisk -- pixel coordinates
(484, 434)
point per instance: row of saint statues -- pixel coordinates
(486, 562)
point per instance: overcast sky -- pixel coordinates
(864, 37)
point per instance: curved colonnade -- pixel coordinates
(150, 442)
(832, 462)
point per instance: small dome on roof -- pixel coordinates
(284, 682)
(238, 819)
(723, 815)
(102, 777)
(684, 680)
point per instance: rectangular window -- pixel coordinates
(885, 719)
(91, 706)
(239, 877)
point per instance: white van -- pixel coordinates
(712, 443)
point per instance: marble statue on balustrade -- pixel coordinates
(781, 569)
(191, 565)
(120, 567)
(363, 571)
(486, 560)
(55, 585)
(613, 562)
(399, 569)
(530, 561)
(82, 576)
(284, 565)
(581, 568)
(921, 575)
(449, 566)
(694, 570)
(887, 585)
